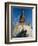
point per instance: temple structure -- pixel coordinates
(21, 29)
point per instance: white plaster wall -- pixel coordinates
(37, 22)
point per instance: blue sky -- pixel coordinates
(16, 12)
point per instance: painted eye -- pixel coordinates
(25, 30)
